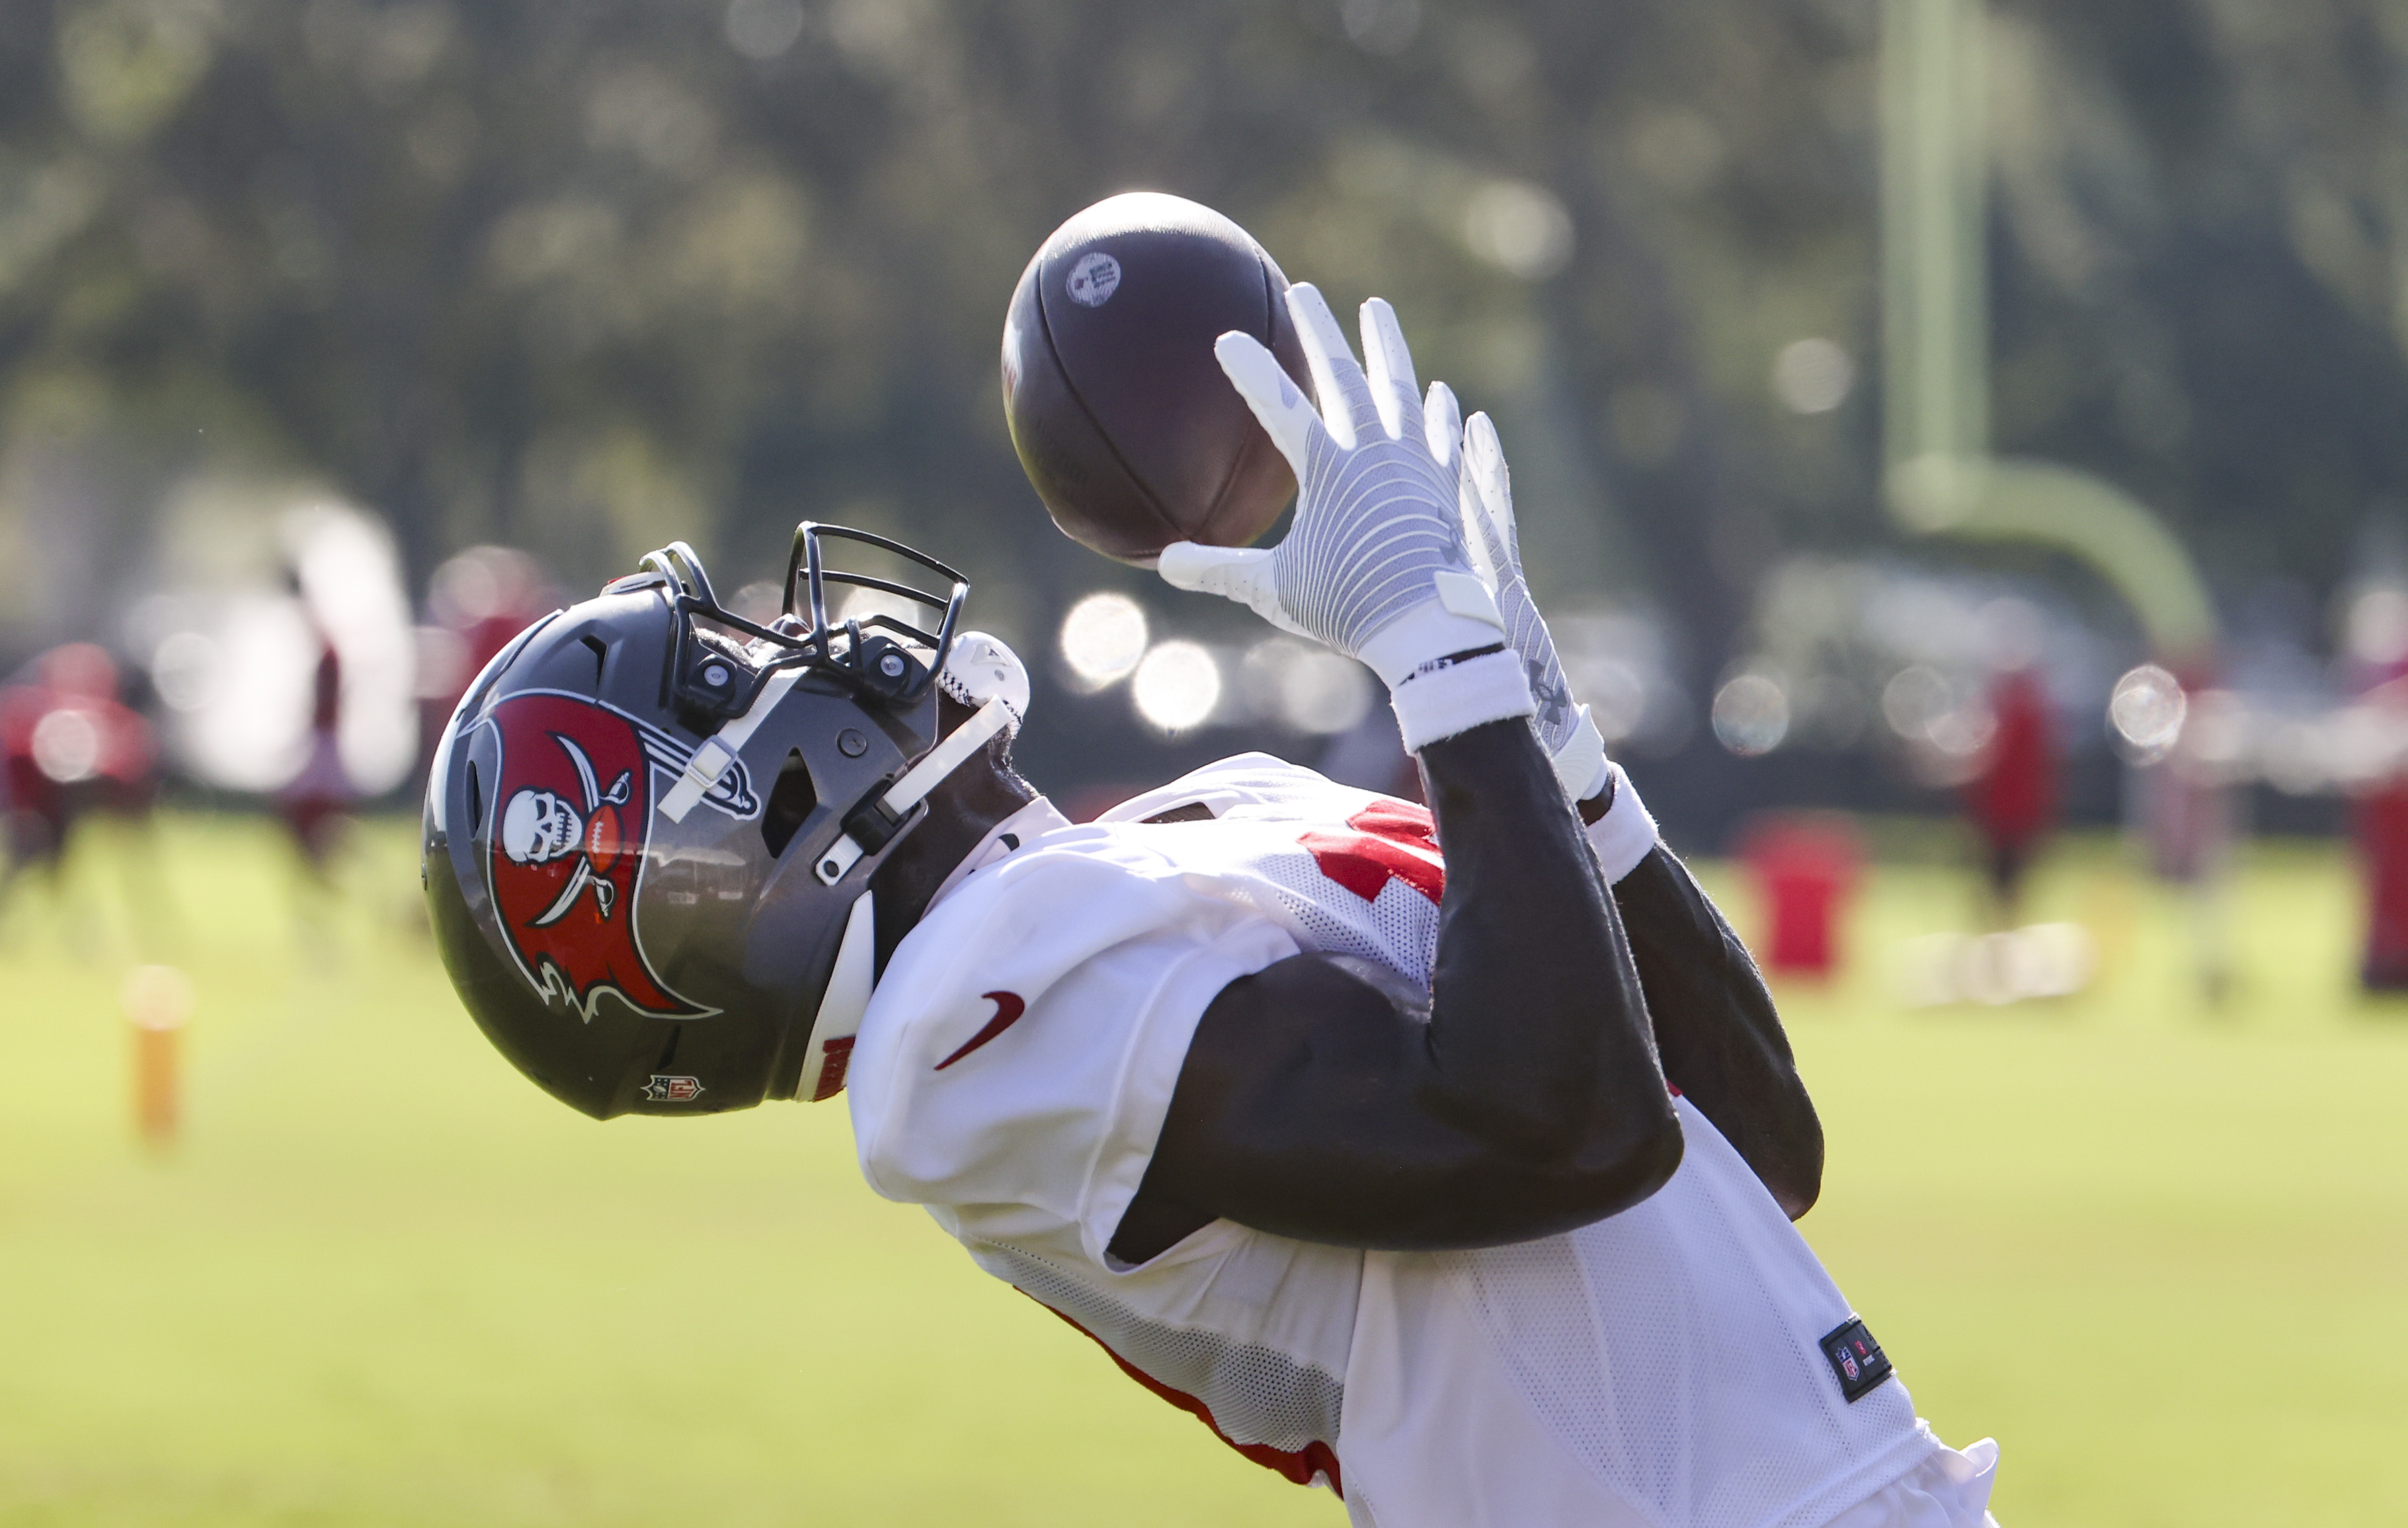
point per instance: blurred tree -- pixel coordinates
(584, 274)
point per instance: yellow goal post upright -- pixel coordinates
(1939, 474)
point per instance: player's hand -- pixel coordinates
(1374, 564)
(1568, 732)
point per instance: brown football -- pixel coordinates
(1121, 414)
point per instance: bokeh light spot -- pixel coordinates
(1177, 686)
(1751, 715)
(2146, 711)
(1518, 227)
(1103, 637)
(1813, 376)
(764, 29)
(66, 746)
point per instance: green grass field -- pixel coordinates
(2159, 1250)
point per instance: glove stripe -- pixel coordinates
(1377, 515)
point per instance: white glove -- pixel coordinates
(1568, 732)
(1374, 564)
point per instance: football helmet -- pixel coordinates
(651, 826)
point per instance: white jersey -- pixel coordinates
(1685, 1364)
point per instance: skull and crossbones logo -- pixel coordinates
(538, 826)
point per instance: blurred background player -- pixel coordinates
(71, 748)
(2012, 797)
(2379, 823)
(2190, 815)
(313, 803)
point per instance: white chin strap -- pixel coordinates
(980, 671)
(719, 750)
(977, 668)
(918, 782)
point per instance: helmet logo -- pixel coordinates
(573, 814)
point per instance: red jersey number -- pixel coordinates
(1386, 840)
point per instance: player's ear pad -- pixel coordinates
(979, 667)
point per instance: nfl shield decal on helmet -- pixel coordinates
(571, 813)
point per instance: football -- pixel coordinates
(1121, 417)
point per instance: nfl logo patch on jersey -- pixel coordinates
(1856, 1360)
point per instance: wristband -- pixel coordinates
(1455, 696)
(1625, 835)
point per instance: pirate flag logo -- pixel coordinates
(571, 816)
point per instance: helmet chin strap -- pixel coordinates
(908, 792)
(719, 749)
(980, 669)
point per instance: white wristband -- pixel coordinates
(1459, 697)
(1625, 835)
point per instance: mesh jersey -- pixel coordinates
(1658, 1369)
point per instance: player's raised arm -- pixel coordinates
(1721, 1041)
(1715, 1028)
(1314, 1103)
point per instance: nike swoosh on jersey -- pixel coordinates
(1007, 1009)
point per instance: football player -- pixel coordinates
(1443, 1158)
